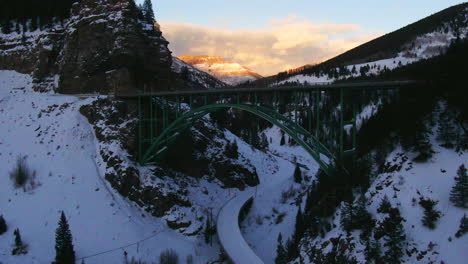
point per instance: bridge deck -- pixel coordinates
(315, 87)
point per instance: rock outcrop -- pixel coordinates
(103, 47)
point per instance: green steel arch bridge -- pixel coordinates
(321, 118)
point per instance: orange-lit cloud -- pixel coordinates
(282, 44)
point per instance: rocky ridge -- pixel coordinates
(103, 47)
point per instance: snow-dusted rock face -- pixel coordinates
(229, 72)
(102, 47)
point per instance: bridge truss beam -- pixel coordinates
(328, 132)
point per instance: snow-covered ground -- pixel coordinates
(270, 214)
(61, 149)
(404, 188)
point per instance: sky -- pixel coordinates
(269, 36)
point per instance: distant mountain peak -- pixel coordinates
(229, 72)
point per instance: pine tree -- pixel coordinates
(422, 143)
(299, 228)
(7, 27)
(430, 214)
(291, 250)
(463, 229)
(64, 252)
(297, 174)
(3, 225)
(394, 237)
(445, 130)
(281, 253)
(373, 252)
(148, 12)
(282, 141)
(34, 24)
(19, 247)
(459, 193)
(385, 206)
(232, 150)
(125, 257)
(346, 216)
(361, 218)
(184, 73)
(263, 144)
(207, 230)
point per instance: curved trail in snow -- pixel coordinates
(230, 236)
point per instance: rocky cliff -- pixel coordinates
(103, 47)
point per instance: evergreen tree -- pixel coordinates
(297, 174)
(459, 193)
(463, 227)
(184, 73)
(313, 226)
(385, 206)
(299, 228)
(361, 218)
(3, 225)
(232, 150)
(34, 25)
(373, 252)
(422, 143)
(19, 247)
(356, 216)
(64, 252)
(7, 27)
(281, 253)
(282, 141)
(394, 237)
(148, 12)
(291, 250)
(207, 230)
(263, 144)
(346, 217)
(445, 130)
(430, 214)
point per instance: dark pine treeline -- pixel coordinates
(32, 14)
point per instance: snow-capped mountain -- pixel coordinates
(229, 72)
(193, 78)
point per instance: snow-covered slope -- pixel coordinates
(406, 183)
(61, 148)
(414, 49)
(229, 72)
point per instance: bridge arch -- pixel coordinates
(324, 157)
